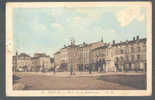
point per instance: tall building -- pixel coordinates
(107, 57)
(22, 62)
(130, 55)
(68, 57)
(41, 62)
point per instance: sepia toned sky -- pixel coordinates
(49, 29)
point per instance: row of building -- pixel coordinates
(107, 57)
(98, 56)
(39, 62)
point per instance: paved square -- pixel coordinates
(80, 81)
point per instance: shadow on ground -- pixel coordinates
(15, 78)
(136, 81)
(19, 86)
(27, 87)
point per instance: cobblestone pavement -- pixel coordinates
(80, 81)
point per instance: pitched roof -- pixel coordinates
(40, 55)
(130, 42)
(23, 55)
(102, 47)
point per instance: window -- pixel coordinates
(127, 58)
(121, 58)
(132, 57)
(116, 59)
(121, 51)
(138, 49)
(138, 57)
(132, 49)
(126, 51)
(111, 53)
(118, 52)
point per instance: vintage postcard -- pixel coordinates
(79, 49)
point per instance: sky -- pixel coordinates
(49, 29)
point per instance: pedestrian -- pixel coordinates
(96, 66)
(54, 70)
(90, 68)
(116, 67)
(71, 70)
(82, 67)
(85, 68)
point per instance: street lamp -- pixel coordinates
(71, 58)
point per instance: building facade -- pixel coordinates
(25, 63)
(99, 56)
(41, 62)
(22, 62)
(67, 58)
(107, 57)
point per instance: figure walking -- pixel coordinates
(71, 70)
(90, 68)
(54, 70)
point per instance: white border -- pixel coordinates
(9, 45)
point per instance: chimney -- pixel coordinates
(113, 41)
(102, 39)
(133, 38)
(16, 53)
(137, 37)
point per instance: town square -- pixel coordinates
(78, 47)
(103, 66)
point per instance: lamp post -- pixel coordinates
(97, 63)
(54, 67)
(71, 58)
